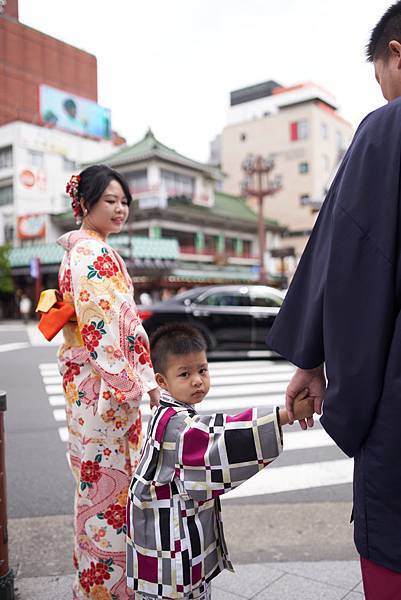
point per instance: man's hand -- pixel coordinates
(315, 381)
(154, 396)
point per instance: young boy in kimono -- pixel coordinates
(175, 541)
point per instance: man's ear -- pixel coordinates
(161, 381)
(395, 51)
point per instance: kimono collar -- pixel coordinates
(68, 240)
(166, 399)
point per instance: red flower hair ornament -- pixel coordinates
(73, 191)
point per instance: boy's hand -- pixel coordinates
(315, 381)
(303, 407)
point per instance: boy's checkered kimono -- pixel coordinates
(175, 534)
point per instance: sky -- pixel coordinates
(171, 64)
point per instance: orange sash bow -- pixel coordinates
(54, 313)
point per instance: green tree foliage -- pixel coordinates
(6, 280)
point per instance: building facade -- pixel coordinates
(301, 129)
(174, 199)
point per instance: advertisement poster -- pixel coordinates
(74, 114)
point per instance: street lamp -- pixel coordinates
(258, 184)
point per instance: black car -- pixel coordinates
(234, 319)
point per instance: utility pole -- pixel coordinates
(257, 184)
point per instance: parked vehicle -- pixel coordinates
(234, 319)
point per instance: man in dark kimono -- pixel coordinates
(343, 309)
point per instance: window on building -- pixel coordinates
(325, 162)
(324, 131)
(243, 137)
(246, 248)
(304, 199)
(177, 184)
(69, 165)
(299, 130)
(8, 233)
(339, 140)
(6, 157)
(6, 195)
(303, 167)
(137, 181)
(230, 246)
(36, 158)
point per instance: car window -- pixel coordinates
(226, 299)
(265, 299)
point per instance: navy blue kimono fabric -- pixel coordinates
(343, 309)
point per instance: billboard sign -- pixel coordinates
(74, 114)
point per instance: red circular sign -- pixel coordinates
(27, 178)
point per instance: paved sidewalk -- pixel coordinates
(331, 580)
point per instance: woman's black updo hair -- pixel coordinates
(94, 180)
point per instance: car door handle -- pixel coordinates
(200, 313)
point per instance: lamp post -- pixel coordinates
(258, 184)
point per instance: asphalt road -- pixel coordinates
(39, 482)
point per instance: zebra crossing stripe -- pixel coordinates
(295, 477)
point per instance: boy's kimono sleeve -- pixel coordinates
(217, 453)
(340, 308)
(110, 328)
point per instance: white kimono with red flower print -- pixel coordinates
(106, 368)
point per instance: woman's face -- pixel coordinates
(109, 213)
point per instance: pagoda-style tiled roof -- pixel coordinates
(150, 147)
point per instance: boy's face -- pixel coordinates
(186, 377)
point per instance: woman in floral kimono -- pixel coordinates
(106, 369)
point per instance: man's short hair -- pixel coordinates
(174, 339)
(387, 29)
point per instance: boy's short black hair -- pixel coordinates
(387, 29)
(177, 339)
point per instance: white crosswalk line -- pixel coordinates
(238, 390)
(241, 378)
(59, 414)
(51, 380)
(56, 400)
(312, 438)
(54, 389)
(296, 477)
(13, 346)
(63, 433)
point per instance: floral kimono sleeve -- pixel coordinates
(143, 364)
(110, 328)
(217, 453)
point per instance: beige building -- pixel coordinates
(300, 128)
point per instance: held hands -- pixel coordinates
(314, 381)
(302, 409)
